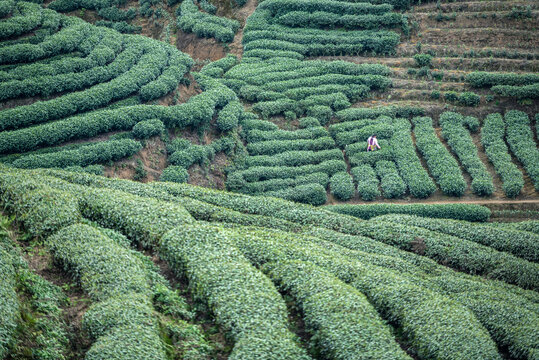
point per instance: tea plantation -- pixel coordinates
(190, 179)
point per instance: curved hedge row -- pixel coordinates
(99, 153)
(380, 128)
(66, 40)
(229, 117)
(198, 110)
(454, 252)
(431, 330)
(68, 82)
(28, 17)
(178, 65)
(341, 318)
(442, 166)
(114, 278)
(148, 128)
(520, 139)
(191, 19)
(244, 302)
(318, 42)
(468, 212)
(518, 243)
(104, 46)
(6, 7)
(148, 68)
(492, 139)
(260, 74)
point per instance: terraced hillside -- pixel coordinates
(250, 222)
(289, 113)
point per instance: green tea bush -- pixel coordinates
(485, 79)
(467, 212)
(312, 194)
(385, 289)
(457, 253)
(9, 307)
(443, 167)
(318, 42)
(115, 278)
(492, 139)
(191, 19)
(101, 152)
(148, 128)
(66, 40)
(257, 173)
(174, 173)
(228, 117)
(256, 135)
(294, 158)
(104, 46)
(518, 243)
(41, 209)
(331, 19)
(519, 92)
(404, 153)
(321, 112)
(6, 7)
(143, 221)
(146, 69)
(392, 184)
(244, 302)
(462, 144)
(199, 109)
(423, 60)
(29, 17)
(71, 247)
(342, 186)
(469, 99)
(178, 65)
(271, 147)
(520, 140)
(279, 7)
(261, 187)
(339, 315)
(367, 182)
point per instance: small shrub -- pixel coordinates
(423, 60)
(148, 128)
(175, 174)
(342, 186)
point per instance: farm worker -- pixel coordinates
(372, 143)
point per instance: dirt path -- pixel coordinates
(236, 47)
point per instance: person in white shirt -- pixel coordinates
(372, 143)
